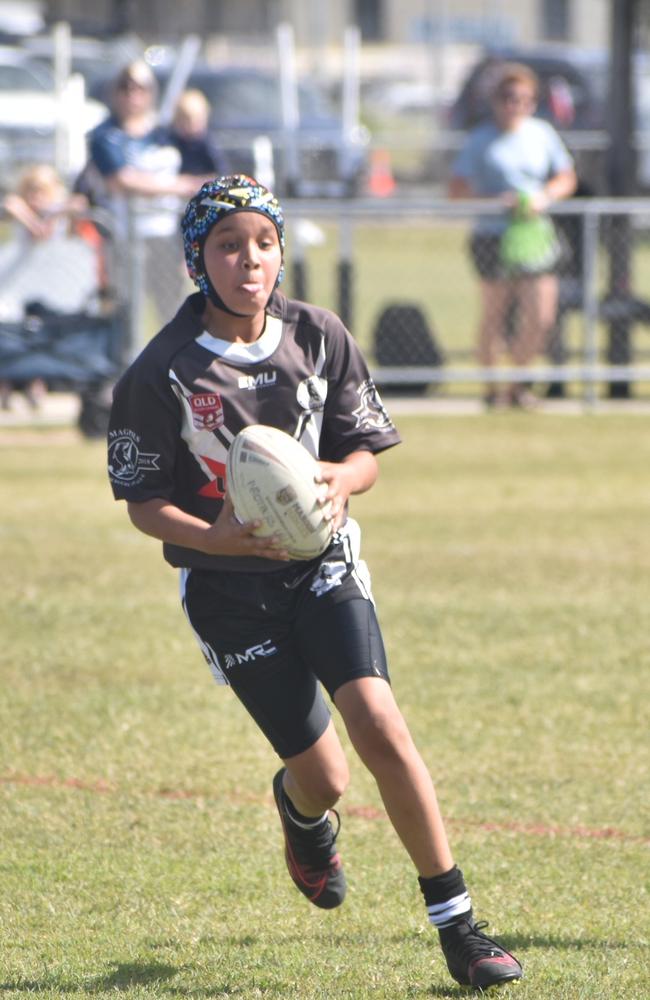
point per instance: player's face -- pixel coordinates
(242, 258)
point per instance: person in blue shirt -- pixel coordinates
(136, 167)
(134, 154)
(516, 159)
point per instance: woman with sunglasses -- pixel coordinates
(520, 161)
(135, 168)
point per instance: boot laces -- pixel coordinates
(478, 944)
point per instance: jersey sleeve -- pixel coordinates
(107, 150)
(355, 417)
(143, 437)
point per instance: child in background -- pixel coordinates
(42, 208)
(200, 155)
(41, 203)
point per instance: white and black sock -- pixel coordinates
(446, 898)
(297, 818)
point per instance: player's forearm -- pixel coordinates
(362, 469)
(169, 523)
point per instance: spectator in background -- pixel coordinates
(520, 161)
(41, 203)
(42, 209)
(200, 155)
(133, 156)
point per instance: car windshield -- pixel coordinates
(17, 78)
(252, 100)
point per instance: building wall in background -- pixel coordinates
(474, 22)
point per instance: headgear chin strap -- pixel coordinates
(215, 200)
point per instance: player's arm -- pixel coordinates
(355, 474)
(225, 537)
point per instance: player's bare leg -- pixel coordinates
(382, 739)
(383, 742)
(305, 791)
(317, 778)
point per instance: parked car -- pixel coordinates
(246, 104)
(573, 87)
(573, 97)
(30, 110)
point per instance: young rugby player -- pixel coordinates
(279, 631)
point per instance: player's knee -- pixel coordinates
(381, 735)
(335, 784)
(328, 787)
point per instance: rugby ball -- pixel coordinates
(271, 478)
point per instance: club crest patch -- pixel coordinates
(127, 464)
(312, 393)
(371, 412)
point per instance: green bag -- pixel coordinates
(530, 244)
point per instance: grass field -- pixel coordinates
(140, 851)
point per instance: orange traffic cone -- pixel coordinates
(381, 182)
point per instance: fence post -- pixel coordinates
(590, 229)
(345, 271)
(619, 348)
(298, 265)
(621, 171)
(133, 260)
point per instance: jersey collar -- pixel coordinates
(249, 354)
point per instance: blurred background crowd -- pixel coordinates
(417, 75)
(132, 104)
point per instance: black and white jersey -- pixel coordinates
(178, 407)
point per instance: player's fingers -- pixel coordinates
(267, 547)
(246, 528)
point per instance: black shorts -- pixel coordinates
(485, 251)
(276, 637)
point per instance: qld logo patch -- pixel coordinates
(207, 410)
(127, 465)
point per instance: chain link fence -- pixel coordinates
(402, 274)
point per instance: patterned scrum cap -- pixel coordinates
(234, 193)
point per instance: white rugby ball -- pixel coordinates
(271, 478)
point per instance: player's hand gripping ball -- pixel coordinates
(272, 478)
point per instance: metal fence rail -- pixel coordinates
(363, 257)
(599, 287)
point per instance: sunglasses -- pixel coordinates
(126, 86)
(512, 97)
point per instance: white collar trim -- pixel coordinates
(259, 350)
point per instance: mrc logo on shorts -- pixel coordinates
(127, 464)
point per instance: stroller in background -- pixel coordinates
(61, 320)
